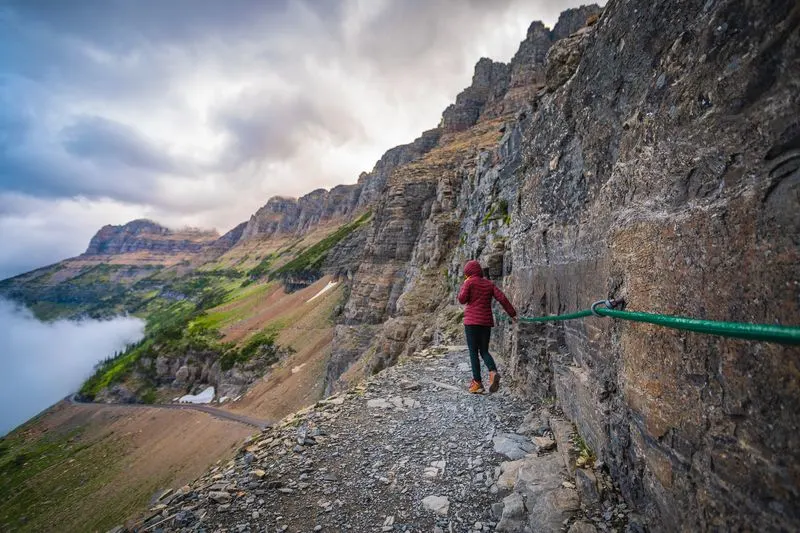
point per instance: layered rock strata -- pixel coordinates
(661, 169)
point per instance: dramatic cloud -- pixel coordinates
(108, 141)
(197, 111)
(258, 128)
(44, 362)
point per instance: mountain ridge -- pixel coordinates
(146, 234)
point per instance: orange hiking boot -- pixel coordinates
(476, 387)
(494, 381)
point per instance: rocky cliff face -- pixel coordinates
(229, 240)
(290, 216)
(373, 183)
(190, 372)
(651, 172)
(148, 236)
(489, 83)
(500, 89)
(650, 155)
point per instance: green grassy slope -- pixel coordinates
(181, 313)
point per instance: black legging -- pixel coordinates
(478, 341)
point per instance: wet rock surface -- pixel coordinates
(408, 450)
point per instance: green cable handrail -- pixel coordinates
(568, 316)
(740, 330)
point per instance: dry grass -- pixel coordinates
(90, 467)
(119, 457)
(308, 329)
(245, 255)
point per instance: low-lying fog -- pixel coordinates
(42, 362)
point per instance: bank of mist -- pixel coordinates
(42, 362)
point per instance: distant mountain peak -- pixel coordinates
(147, 235)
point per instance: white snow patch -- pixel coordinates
(326, 288)
(204, 397)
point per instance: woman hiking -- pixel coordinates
(477, 293)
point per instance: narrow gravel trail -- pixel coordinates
(408, 450)
(411, 432)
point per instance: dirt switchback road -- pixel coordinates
(213, 411)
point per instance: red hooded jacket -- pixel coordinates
(477, 293)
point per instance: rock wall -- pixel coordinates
(651, 155)
(489, 84)
(373, 183)
(663, 169)
(229, 240)
(281, 215)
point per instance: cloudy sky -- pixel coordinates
(195, 112)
